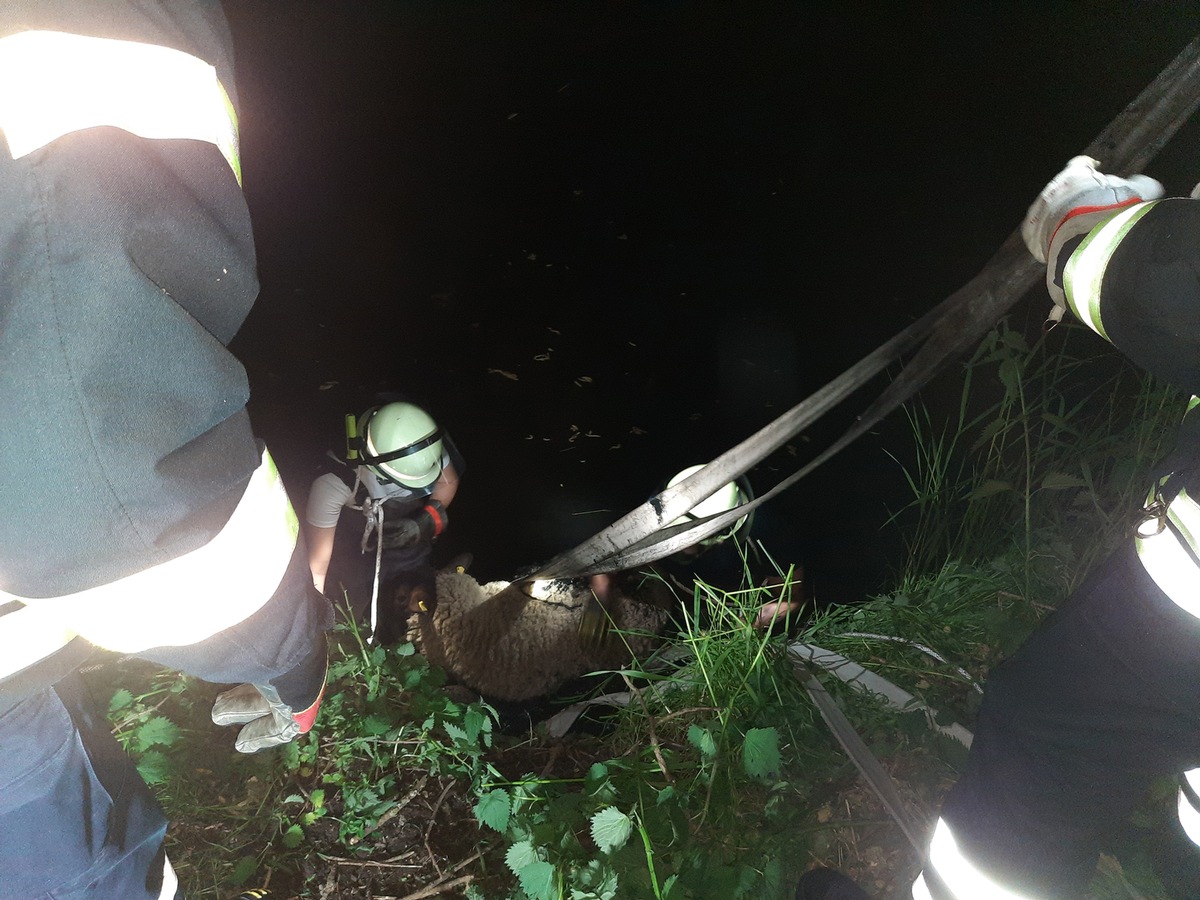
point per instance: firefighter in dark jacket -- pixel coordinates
(1104, 698)
(138, 513)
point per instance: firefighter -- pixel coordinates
(400, 473)
(140, 514)
(1104, 698)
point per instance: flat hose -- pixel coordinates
(644, 534)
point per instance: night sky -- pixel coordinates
(605, 241)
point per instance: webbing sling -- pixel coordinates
(1129, 142)
(643, 535)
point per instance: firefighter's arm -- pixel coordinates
(1122, 259)
(327, 497)
(446, 486)
(1078, 200)
(320, 551)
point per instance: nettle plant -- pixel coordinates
(695, 799)
(383, 715)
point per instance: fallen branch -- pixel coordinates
(434, 889)
(429, 828)
(658, 754)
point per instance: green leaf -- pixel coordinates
(611, 829)
(293, 836)
(317, 798)
(702, 740)
(1010, 375)
(760, 752)
(1016, 341)
(158, 730)
(120, 700)
(404, 649)
(520, 855)
(243, 869)
(473, 723)
(989, 488)
(666, 794)
(493, 810)
(153, 767)
(374, 725)
(1057, 481)
(456, 734)
(537, 880)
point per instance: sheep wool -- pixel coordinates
(505, 644)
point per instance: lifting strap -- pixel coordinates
(1129, 142)
(644, 535)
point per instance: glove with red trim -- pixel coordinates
(1079, 189)
(268, 721)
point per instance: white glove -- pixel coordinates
(268, 720)
(1080, 185)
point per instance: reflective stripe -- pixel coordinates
(1189, 816)
(1167, 561)
(960, 876)
(170, 886)
(27, 635)
(184, 600)
(52, 84)
(1084, 272)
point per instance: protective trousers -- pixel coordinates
(1099, 702)
(65, 776)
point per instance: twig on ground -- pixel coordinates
(658, 754)
(555, 751)
(394, 811)
(429, 828)
(434, 889)
(382, 863)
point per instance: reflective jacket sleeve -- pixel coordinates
(126, 267)
(1139, 287)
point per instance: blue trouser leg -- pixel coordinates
(76, 820)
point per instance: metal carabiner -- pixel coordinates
(1155, 512)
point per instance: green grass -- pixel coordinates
(718, 778)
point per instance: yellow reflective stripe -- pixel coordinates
(192, 596)
(958, 873)
(1084, 272)
(1167, 562)
(53, 83)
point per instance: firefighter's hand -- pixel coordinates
(432, 520)
(267, 720)
(1079, 187)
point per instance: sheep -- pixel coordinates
(503, 643)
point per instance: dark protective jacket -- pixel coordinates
(1104, 698)
(126, 266)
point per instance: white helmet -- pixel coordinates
(722, 500)
(402, 444)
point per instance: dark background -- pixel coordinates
(700, 212)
